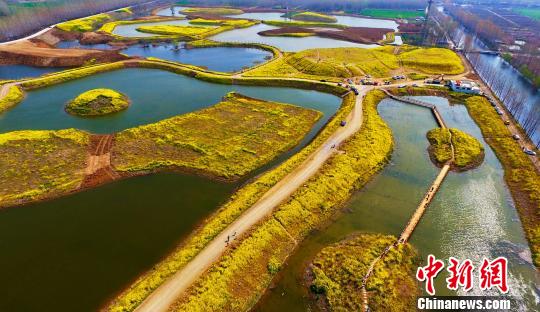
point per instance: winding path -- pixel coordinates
(168, 292)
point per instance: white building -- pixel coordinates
(465, 86)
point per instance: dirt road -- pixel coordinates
(165, 295)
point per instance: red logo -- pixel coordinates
(460, 274)
(429, 272)
(493, 274)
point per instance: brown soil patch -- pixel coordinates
(39, 53)
(352, 34)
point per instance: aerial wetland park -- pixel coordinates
(213, 155)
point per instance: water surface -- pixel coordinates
(211, 58)
(472, 216)
(154, 94)
(8, 72)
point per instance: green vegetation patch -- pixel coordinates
(97, 102)
(263, 251)
(529, 12)
(351, 62)
(110, 26)
(14, 96)
(291, 34)
(468, 151)
(384, 13)
(85, 24)
(38, 164)
(188, 31)
(337, 273)
(314, 17)
(520, 173)
(303, 24)
(213, 11)
(227, 140)
(235, 23)
(432, 60)
(242, 200)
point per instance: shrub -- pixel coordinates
(314, 17)
(14, 96)
(97, 102)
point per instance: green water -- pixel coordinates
(154, 94)
(472, 215)
(76, 252)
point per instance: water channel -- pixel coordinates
(472, 216)
(76, 252)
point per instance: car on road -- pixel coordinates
(516, 137)
(529, 152)
(343, 123)
(507, 122)
(402, 86)
(415, 85)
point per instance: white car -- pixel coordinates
(529, 152)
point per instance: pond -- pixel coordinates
(8, 72)
(211, 58)
(130, 30)
(472, 216)
(154, 94)
(288, 44)
(76, 252)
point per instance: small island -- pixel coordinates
(468, 151)
(336, 273)
(314, 17)
(98, 102)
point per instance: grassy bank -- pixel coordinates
(468, 152)
(303, 24)
(258, 256)
(14, 96)
(85, 24)
(350, 62)
(336, 275)
(110, 26)
(97, 102)
(69, 75)
(520, 174)
(40, 164)
(239, 202)
(314, 17)
(213, 11)
(227, 140)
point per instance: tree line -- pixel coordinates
(24, 21)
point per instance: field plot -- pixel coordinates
(383, 13)
(227, 140)
(41, 163)
(350, 62)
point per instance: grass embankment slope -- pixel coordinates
(227, 140)
(384, 13)
(337, 272)
(13, 97)
(303, 24)
(213, 11)
(468, 151)
(520, 174)
(258, 256)
(38, 164)
(90, 23)
(350, 62)
(242, 200)
(97, 102)
(194, 32)
(85, 24)
(314, 17)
